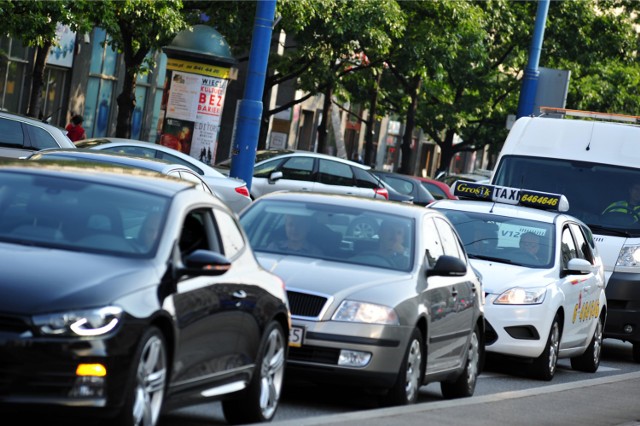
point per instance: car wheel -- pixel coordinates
(363, 228)
(259, 401)
(590, 359)
(145, 391)
(409, 380)
(465, 385)
(544, 367)
(636, 352)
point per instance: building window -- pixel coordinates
(100, 87)
(13, 63)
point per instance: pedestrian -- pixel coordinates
(74, 129)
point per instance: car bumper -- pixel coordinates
(318, 356)
(517, 330)
(623, 304)
(42, 372)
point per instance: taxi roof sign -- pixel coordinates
(508, 195)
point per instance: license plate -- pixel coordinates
(296, 335)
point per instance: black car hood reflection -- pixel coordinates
(34, 279)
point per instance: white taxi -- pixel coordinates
(542, 275)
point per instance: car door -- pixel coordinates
(297, 175)
(208, 320)
(448, 330)
(575, 288)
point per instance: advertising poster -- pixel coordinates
(193, 114)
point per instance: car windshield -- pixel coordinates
(504, 239)
(331, 232)
(591, 189)
(71, 214)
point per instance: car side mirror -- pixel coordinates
(447, 266)
(274, 176)
(204, 262)
(578, 266)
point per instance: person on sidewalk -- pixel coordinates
(74, 129)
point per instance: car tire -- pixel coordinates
(465, 385)
(544, 367)
(409, 379)
(147, 383)
(259, 401)
(589, 361)
(636, 352)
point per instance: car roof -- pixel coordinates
(499, 209)
(141, 180)
(404, 209)
(30, 120)
(302, 153)
(95, 156)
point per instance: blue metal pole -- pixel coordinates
(531, 73)
(249, 113)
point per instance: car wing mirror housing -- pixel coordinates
(578, 266)
(448, 266)
(205, 262)
(274, 176)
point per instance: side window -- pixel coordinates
(232, 238)
(41, 139)
(450, 242)
(265, 169)
(568, 247)
(364, 179)
(583, 249)
(298, 168)
(177, 160)
(133, 150)
(194, 235)
(431, 240)
(335, 173)
(11, 133)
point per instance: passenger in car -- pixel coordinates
(530, 244)
(296, 231)
(391, 243)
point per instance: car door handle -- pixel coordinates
(240, 294)
(586, 288)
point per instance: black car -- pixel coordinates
(125, 293)
(407, 185)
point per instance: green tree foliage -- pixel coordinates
(136, 29)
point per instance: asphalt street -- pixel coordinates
(613, 400)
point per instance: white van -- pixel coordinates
(593, 163)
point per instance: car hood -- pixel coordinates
(37, 280)
(498, 277)
(339, 280)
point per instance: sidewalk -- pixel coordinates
(613, 400)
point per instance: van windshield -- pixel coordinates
(601, 195)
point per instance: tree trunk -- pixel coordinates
(323, 127)
(37, 81)
(407, 138)
(126, 105)
(369, 148)
(447, 152)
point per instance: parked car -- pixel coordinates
(21, 136)
(395, 195)
(438, 189)
(110, 320)
(542, 275)
(389, 312)
(232, 191)
(81, 155)
(408, 185)
(311, 172)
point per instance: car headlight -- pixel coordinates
(369, 313)
(90, 322)
(521, 296)
(629, 257)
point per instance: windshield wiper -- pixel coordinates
(609, 231)
(495, 259)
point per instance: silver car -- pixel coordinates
(311, 172)
(390, 310)
(232, 191)
(22, 136)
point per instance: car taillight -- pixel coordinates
(243, 190)
(382, 192)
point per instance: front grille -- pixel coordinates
(305, 305)
(13, 324)
(53, 382)
(315, 354)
